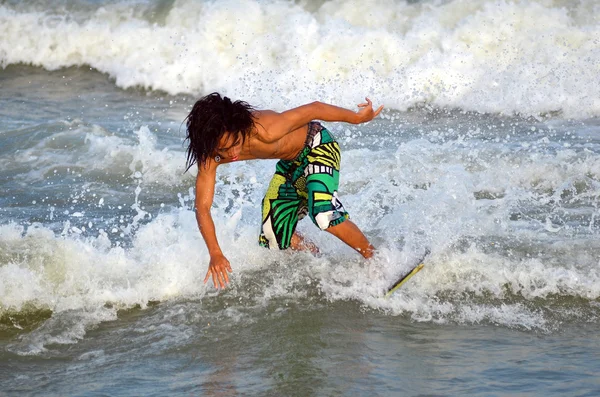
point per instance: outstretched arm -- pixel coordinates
(205, 191)
(292, 119)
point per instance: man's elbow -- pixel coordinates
(316, 106)
(313, 111)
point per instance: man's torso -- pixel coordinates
(258, 146)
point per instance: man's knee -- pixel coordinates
(325, 220)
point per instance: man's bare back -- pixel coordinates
(267, 142)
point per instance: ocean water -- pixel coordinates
(487, 154)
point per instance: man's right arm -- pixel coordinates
(205, 191)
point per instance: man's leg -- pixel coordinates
(279, 214)
(350, 234)
(325, 209)
(298, 243)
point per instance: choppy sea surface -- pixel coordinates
(487, 154)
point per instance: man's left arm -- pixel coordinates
(295, 118)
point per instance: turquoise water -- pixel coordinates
(102, 265)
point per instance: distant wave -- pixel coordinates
(526, 57)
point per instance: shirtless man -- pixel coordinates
(306, 177)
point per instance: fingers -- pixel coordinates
(223, 278)
(210, 273)
(366, 110)
(364, 105)
(220, 277)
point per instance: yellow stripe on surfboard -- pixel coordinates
(404, 279)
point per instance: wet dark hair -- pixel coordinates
(211, 118)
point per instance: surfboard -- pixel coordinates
(406, 277)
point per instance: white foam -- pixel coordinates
(420, 194)
(525, 57)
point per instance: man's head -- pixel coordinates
(215, 125)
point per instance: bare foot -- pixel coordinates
(298, 243)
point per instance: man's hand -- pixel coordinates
(366, 112)
(218, 268)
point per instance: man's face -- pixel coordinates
(230, 146)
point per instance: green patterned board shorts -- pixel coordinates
(307, 184)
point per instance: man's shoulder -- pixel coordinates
(265, 116)
(265, 121)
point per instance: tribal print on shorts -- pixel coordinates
(306, 185)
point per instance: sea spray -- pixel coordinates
(526, 57)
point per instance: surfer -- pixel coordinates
(306, 178)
